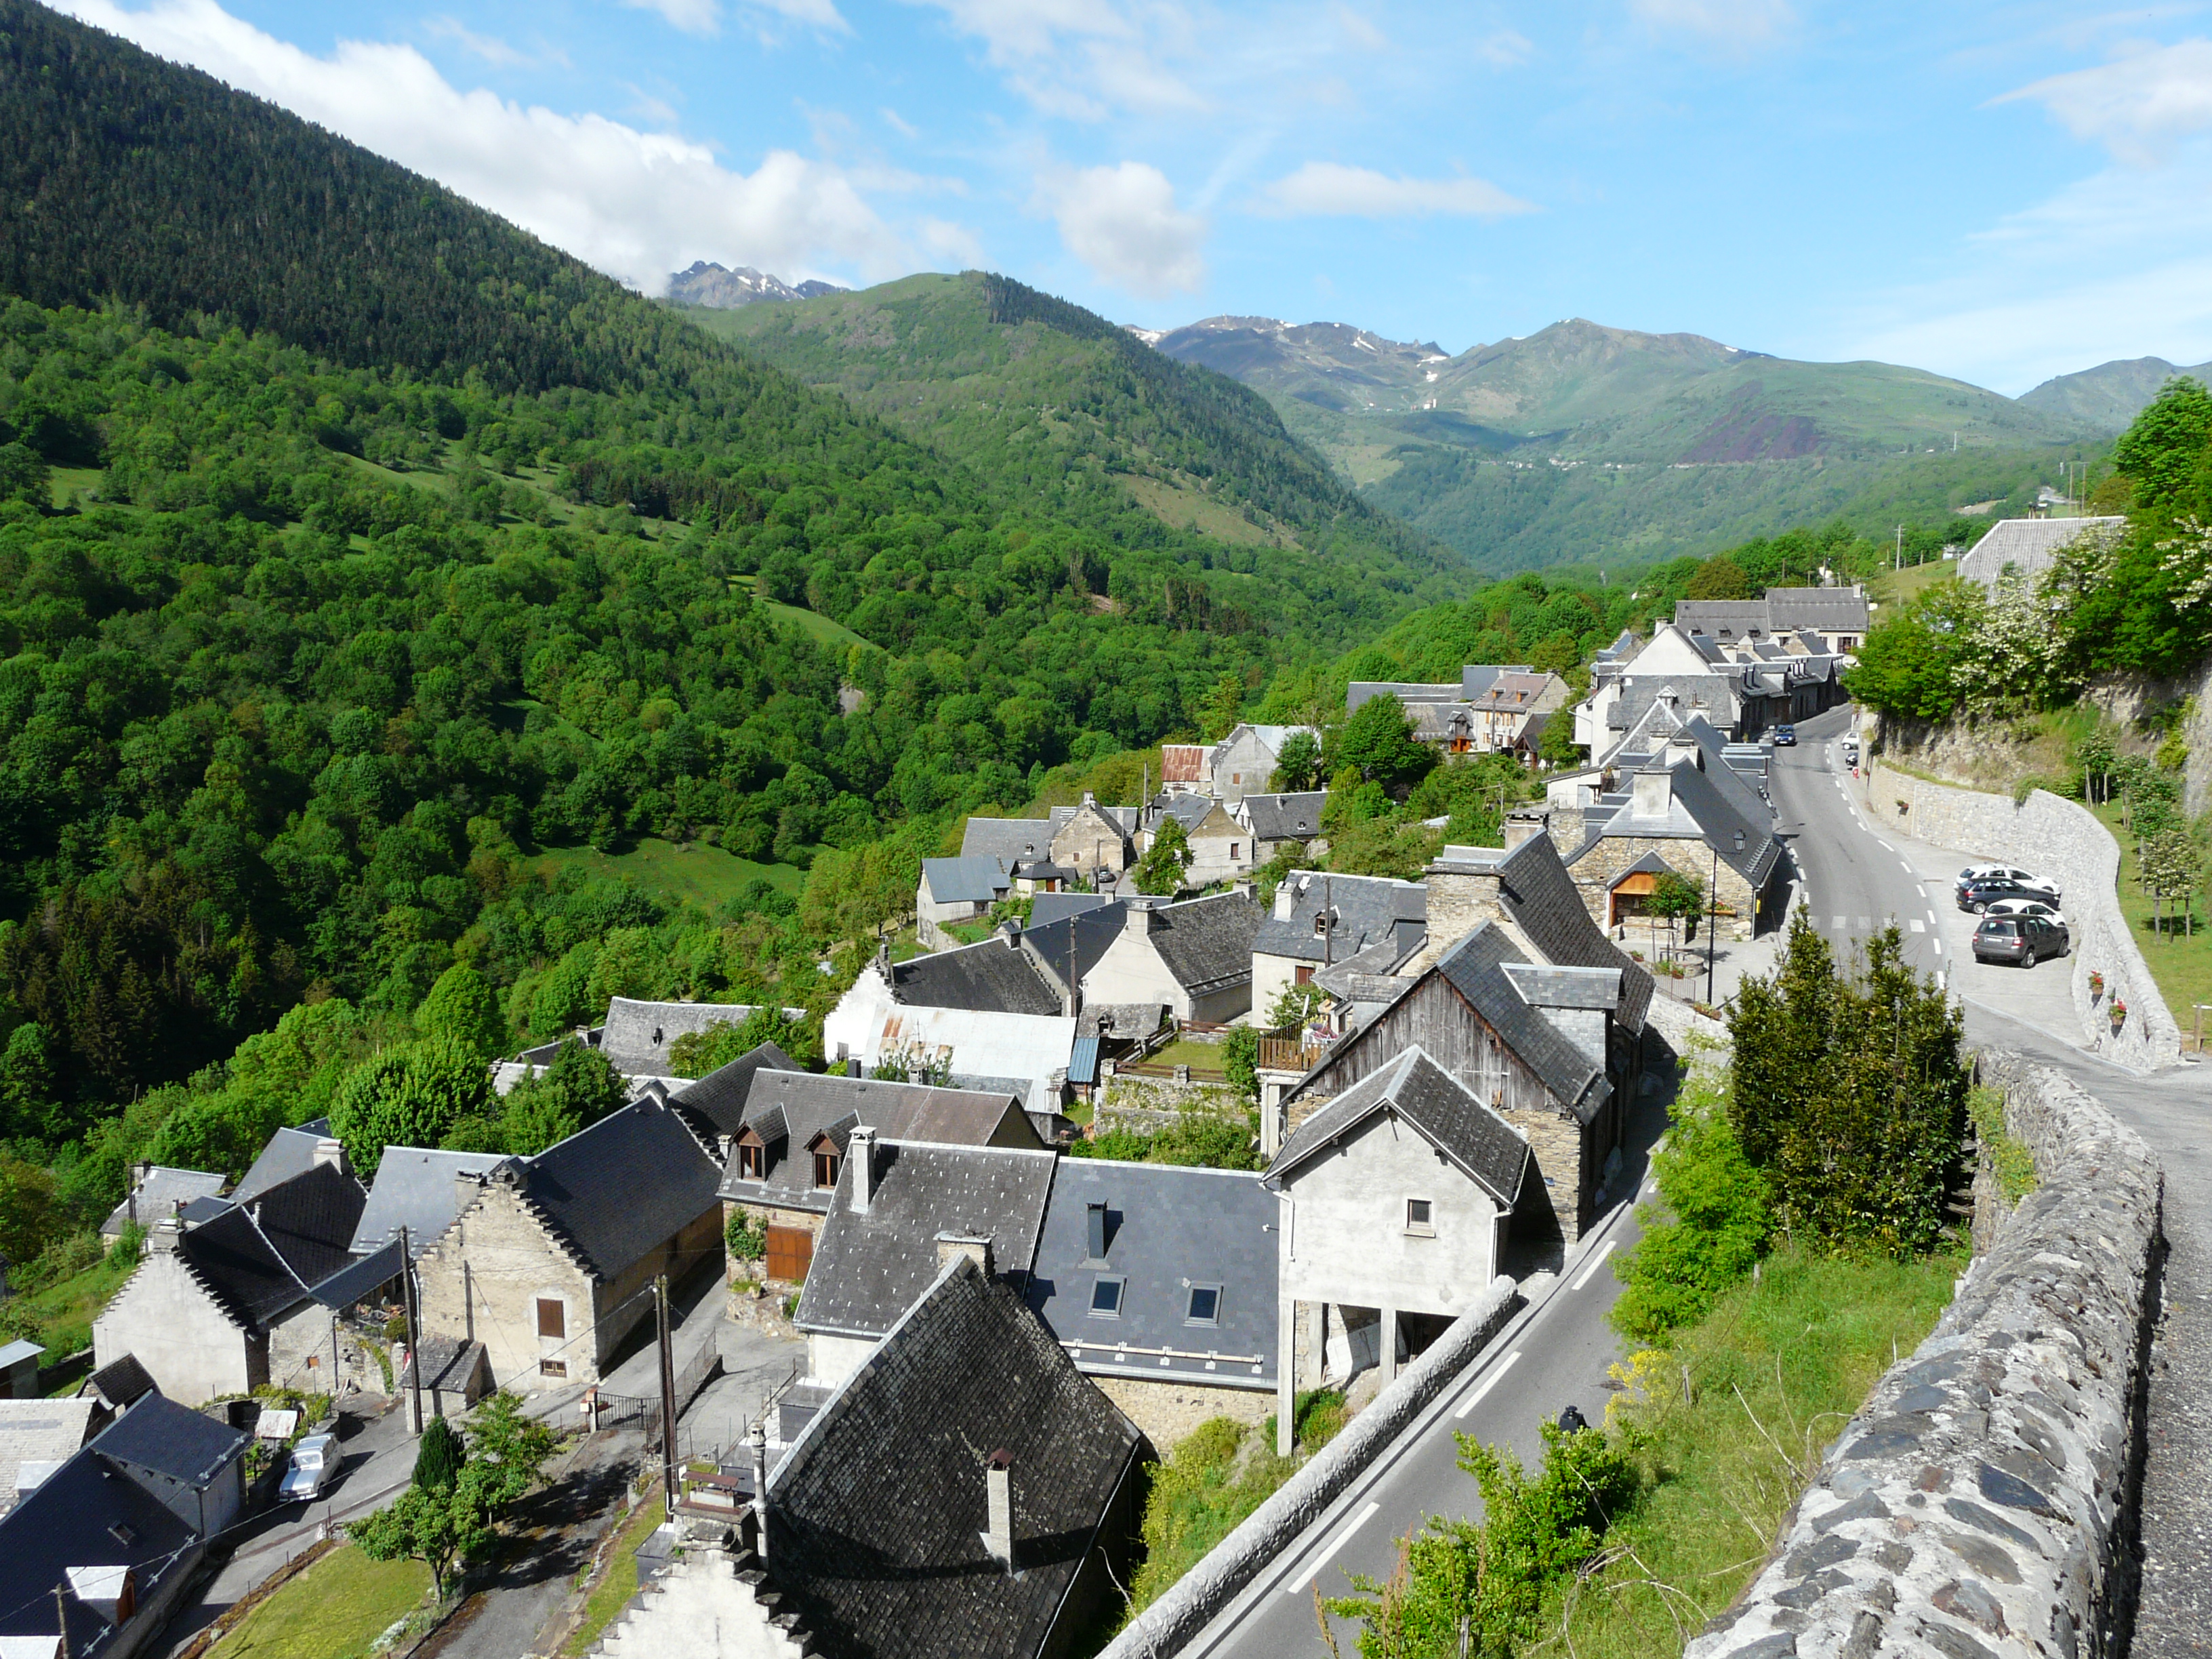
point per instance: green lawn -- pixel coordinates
(67, 481)
(619, 1582)
(699, 873)
(65, 1311)
(2182, 964)
(826, 631)
(1188, 1051)
(333, 1610)
(1897, 586)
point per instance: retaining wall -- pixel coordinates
(1981, 1504)
(1200, 1595)
(2064, 839)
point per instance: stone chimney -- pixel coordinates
(1525, 826)
(860, 1157)
(163, 1239)
(1463, 893)
(1651, 790)
(1140, 919)
(951, 1246)
(330, 1151)
(1093, 1236)
(998, 1508)
(1286, 897)
(757, 1437)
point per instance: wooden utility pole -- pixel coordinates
(414, 1337)
(61, 1615)
(667, 1397)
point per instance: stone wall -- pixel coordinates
(1980, 1506)
(1596, 870)
(2063, 840)
(1194, 1599)
(1166, 1412)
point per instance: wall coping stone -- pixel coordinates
(1195, 1599)
(1981, 1504)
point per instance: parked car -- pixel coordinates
(314, 1465)
(1850, 751)
(2024, 940)
(1974, 872)
(2026, 908)
(1785, 737)
(1982, 894)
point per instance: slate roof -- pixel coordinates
(877, 1511)
(1294, 816)
(1188, 811)
(1717, 696)
(1445, 1112)
(1124, 819)
(240, 1269)
(162, 1193)
(289, 1152)
(1702, 810)
(168, 1439)
(81, 1516)
(1475, 679)
(625, 1186)
(1540, 897)
(719, 1098)
(311, 1220)
(638, 1036)
(1406, 691)
(38, 1431)
(119, 1384)
(1368, 909)
(1010, 840)
(349, 1284)
(1071, 943)
(1049, 908)
(869, 1267)
(994, 977)
(977, 880)
(2029, 544)
(795, 1107)
(1206, 943)
(1167, 1228)
(414, 1188)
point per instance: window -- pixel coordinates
(1418, 1212)
(749, 1162)
(553, 1368)
(1235, 850)
(1106, 1296)
(1304, 975)
(825, 1169)
(552, 1316)
(1204, 1307)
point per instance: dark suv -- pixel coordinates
(1977, 896)
(2023, 940)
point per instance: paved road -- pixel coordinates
(1555, 1352)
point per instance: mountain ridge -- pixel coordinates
(716, 287)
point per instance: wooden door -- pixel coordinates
(790, 1253)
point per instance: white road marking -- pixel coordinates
(1885, 845)
(1919, 925)
(1329, 1554)
(1939, 946)
(1488, 1383)
(1939, 978)
(1591, 1272)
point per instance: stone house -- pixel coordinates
(1278, 822)
(785, 1162)
(1243, 762)
(546, 1256)
(1704, 825)
(1395, 1199)
(1502, 710)
(1160, 1283)
(899, 1208)
(251, 1295)
(963, 1490)
(157, 1192)
(418, 1188)
(956, 890)
(1220, 847)
(1195, 957)
(1837, 618)
(984, 1012)
(1318, 920)
(1097, 841)
(119, 1530)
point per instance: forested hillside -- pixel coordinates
(373, 579)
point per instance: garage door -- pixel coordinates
(790, 1253)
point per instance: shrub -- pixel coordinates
(747, 1240)
(1717, 1222)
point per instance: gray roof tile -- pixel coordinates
(966, 880)
(288, 1152)
(1475, 967)
(793, 1107)
(1294, 816)
(625, 1186)
(719, 1098)
(1445, 1112)
(187, 1446)
(1368, 910)
(994, 978)
(414, 1188)
(1206, 943)
(1542, 898)
(638, 1036)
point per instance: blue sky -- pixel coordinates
(1997, 191)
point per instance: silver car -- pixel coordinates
(314, 1464)
(2026, 908)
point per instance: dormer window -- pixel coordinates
(752, 1160)
(826, 1167)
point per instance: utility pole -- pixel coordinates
(414, 1337)
(667, 1397)
(1712, 915)
(1900, 547)
(61, 1614)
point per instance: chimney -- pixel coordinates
(332, 1152)
(999, 1490)
(852, 1067)
(1011, 930)
(465, 1188)
(1286, 897)
(952, 1245)
(166, 1231)
(1139, 920)
(1095, 1235)
(1650, 791)
(757, 1435)
(861, 1157)
(1522, 827)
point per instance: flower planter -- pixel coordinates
(2096, 985)
(2119, 1015)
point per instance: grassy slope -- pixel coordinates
(619, 1582)
(333, 1610)
(697, 873)
(2180, 962)
(65, 1311)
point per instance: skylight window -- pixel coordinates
(1106, 1296)
(1204, 1307)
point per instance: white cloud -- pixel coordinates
(1360, 30)
(1080, 59)
(490, 48)
(2137, 105)
(705, 16)
(692, 17)
(1328, 189)
(1730, 22)
(1505, 50)
(1123, 223)
(637, 205)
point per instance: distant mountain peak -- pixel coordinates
(708, 284)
